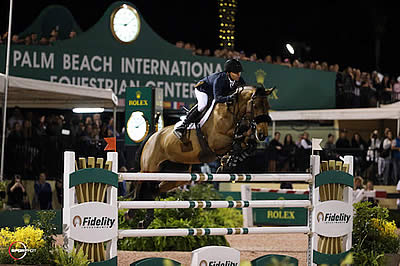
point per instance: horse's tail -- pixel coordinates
(140, 150)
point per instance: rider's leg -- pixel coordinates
(194, 114)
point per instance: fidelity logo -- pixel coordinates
(218, 263)
(93, 222)
(338, 218)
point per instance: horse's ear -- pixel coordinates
(270, 90)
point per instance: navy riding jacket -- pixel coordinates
(217, 86)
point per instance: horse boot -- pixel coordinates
(193, 116)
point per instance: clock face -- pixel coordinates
(125, 24)
(137, 127)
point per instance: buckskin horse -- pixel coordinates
(162, 151)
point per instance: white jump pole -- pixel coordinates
(215, 177)
(214, 204)
(211, 231)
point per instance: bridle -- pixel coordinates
(248, 120)
(245, 132)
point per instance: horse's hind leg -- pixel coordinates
(147, 191)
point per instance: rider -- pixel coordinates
(218, 86)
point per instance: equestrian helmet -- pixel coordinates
(233, 65)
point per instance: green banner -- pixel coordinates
(274, 216)
(96, 58)
(279, 216)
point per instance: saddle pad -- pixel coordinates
(203, 120)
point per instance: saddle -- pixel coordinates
(205, 154)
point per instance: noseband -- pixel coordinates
(250, 110)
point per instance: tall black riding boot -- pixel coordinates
(193, 116)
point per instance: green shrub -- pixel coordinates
(182, 218)
(63, 257)
(373, 234)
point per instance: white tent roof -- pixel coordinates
(32, 93)
(387, 112)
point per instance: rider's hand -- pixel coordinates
(230, 99)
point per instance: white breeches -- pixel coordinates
(202, 100)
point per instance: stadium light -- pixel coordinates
(87, 110)
(290, 48)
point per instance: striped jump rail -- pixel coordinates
(283, 191)
(215, 177)
(211, 231)
(214, 204)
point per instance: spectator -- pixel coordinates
(54, 33)
(356, 88)
(359, 147)
(34, 39)
(358, 183)
(324, 66)
(366, 94)
(396, 90)
(52, 40)
(179, 44)
(43, 41)
(28, 40)
(370, 187)
(396, 158)
(72, 34)
(278, 60)
(305, 152)
(386, 154)
(373, 155)
(16, 40)
(16, 116)
(348, 87)
(16, 194)
(43, 193)
(342, 144)
(385, 90)
(330, 148)
(275, 149)
(288, 154)
(59, 190)
(268, 59)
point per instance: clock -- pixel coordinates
(137, 127)
(125, 24)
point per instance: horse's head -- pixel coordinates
(257, 107)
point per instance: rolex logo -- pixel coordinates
(260, 76)
(138, 94)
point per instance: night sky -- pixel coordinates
(338, 32)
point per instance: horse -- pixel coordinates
(163, 146)
(162, 152)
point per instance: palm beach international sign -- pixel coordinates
(95, 58)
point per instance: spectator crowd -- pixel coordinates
(35, 38)
(354, 88)
(35, 141)
(376, 159)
